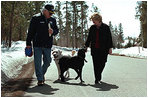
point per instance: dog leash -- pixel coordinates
(83, 59)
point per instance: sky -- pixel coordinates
(119, 11)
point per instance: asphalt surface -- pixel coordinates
(122, 77)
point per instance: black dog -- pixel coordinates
(76, 63)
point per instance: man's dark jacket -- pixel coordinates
(105, 38)
(38, 31)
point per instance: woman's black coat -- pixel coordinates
(105, 38)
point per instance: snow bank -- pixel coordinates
(132, 52)
(12, 60)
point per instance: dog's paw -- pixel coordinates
(82, 81)
(62, 80)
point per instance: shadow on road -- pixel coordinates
(15, 87)
(67, 83)
(45, 89)
(104, 86)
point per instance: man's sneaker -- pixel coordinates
(40, 83)
(43, 80)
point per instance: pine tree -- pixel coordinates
(116, 32)
(83, 17)
(114, 36)
(59, 14)
(120, 35)
(15, 19)
(141, 14)
(74, 12)
(94, 9)
(11, 22)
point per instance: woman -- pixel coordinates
(100, 39)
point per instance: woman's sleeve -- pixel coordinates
(110, 39)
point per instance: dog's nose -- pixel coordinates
(54, 55)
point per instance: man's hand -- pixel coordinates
(28, 46)
(50, 31)
(28, 51)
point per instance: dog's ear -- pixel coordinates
(85, 49)
(53, 52)
(73, 52)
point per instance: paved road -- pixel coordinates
(122, 77)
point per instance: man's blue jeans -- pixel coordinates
(39, 68)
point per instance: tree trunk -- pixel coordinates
(11, 23)
(67, 32)
(82, 17)
(20, 32)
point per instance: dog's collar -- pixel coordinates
(56, 59)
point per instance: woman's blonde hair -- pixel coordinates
(96, 16)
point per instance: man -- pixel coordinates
(101, 43)
(42, 36)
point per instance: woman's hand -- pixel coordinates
(110, 51)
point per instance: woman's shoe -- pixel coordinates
(97, 82)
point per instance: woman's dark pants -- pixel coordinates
(99, 57)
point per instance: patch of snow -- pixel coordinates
(132, 52)
(13, 59)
